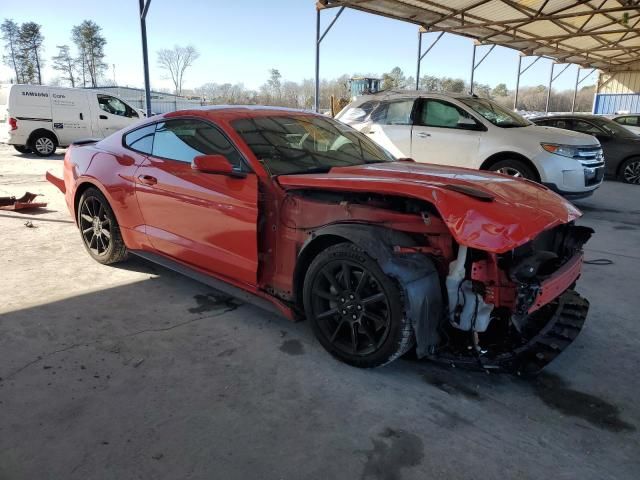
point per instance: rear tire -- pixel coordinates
(630, 171)
(514, 168)
(99, 228)
(22, 148)
(356, 311)
(43, 144)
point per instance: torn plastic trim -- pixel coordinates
(58, 182)
(416, 274)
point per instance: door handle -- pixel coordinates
(147, 179)
(81, 116)
(424, 134)
(103, 117)
(371, 132)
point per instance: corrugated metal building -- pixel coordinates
(160, 102)
(618, 92)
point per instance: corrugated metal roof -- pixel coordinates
(604, 34)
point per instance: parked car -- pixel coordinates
(302, 214)
(629, 121)
(472, 132)
(38, 118)
(621, 146)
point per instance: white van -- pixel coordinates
(39, 118)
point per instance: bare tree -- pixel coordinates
(176, 61)
(65, 63)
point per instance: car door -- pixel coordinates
(390, 126)
(112, 114)
(71, 115)
(206, 220)
(446, 134)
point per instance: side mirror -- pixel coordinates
(217, 164)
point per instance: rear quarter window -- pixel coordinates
(141, 140)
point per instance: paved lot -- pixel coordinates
(136, 372)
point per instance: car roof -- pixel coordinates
(579, 116)
(398, 94)
(231, 112)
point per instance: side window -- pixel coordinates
(115, 106)
(140, 140)
(438, 113)
(358, 114)
(393, 113)
(629, 121)
(586, 127)
(183, 140)
(566, 124)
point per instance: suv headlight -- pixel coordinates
(570, 151)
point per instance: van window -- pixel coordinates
(393, 113)
(115, 106)
(183, 140)
(141, 140)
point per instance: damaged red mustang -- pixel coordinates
(299, 213)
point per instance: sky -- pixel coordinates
(240, 41)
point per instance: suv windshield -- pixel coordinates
(495, 113)
(290, 144)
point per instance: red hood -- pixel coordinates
(519, 211)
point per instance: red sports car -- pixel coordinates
(304, 215)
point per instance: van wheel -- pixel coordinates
(514, 168)
(22, 148)
(43, 144)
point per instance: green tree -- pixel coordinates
(274, 84)
(90, 44)
(500, 90)
(394, 79)
(30, 40)
(66, 64)
(10, 35)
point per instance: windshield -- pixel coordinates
(290, 144)
(496, 114)
(614, 128)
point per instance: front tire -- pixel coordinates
(99, 228)
(514, 168)
(22, 148)
(43, 144)
(356, 311)
(630, 171)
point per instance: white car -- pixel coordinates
(472, 132)
(629, 121)
(39, 118)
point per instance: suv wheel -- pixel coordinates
(514, 168)
(630, 171)
(355, 310)
(43, 144)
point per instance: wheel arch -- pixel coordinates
(83, 187)
(508, 155)
(623, 161)
(40, 131)
(416, 274)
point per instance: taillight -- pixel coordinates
(13, 123)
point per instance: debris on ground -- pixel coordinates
(29, 224)
(23, 203)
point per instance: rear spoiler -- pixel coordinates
(86, 141)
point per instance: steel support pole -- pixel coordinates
(575, 91)
(546, 108)
(515, 98)
(419, 58)
(144, 8)
(317, 84)
(473, 67)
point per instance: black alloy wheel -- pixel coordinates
(99, 228)
(630, 171)
(355, 309)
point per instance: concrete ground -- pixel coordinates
(136, 372)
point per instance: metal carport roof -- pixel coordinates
(603, 34)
